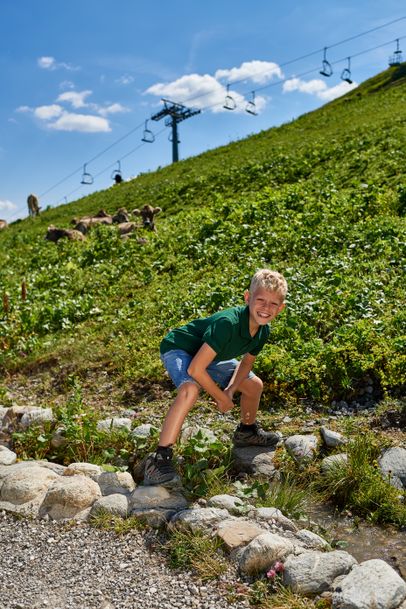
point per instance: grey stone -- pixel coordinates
(333, 461)
(260, 554)
(70, 497)
(301, 447)
(311, 573)
(116, 482)
(312, 540)
(254, 459)
(117, 505)
(228, 502)
(372, 584)
(86, 469)
(332, 438)
(199, 519)
(392, 463)
(155, 497)
(7, 456)
(114, 423)
(274, 516)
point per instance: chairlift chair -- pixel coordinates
(229, 102)
(87, 178)
(251, 107)
(147, 136)
(346, 73)
(116, 174)
(326, 69)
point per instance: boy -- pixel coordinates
(202, 354)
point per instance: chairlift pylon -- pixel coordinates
(326, 69)
(147, 136)
(346, 73)
(229, 102)
(116, 174)
(251, 107)
(170, 138)
(87, 178)
(396, 58)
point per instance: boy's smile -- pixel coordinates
(264, 305)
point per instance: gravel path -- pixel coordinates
(55, 566)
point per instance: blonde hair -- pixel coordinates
(269, 280)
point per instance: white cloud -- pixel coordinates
(112, 109)
(49, 63)
(76, 98)
(125, 80)
(84, 123)
(66, 84)
(259, 72)
(23, 109)
(48, 112)
(7, 205)
(318, 88)
(205, 91)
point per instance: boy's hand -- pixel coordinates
(225, 404)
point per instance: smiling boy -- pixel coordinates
(202, 355)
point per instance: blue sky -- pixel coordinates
(80, 78)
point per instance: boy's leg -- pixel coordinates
(184, 401)
(249, 433)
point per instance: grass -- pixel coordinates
(196, 551)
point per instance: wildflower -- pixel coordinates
(271, 573)
(278, 566)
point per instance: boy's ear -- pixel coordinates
(282, 306)
(246, 296)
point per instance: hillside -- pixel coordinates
(321, 199)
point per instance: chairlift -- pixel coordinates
(147, 136)
(346, 73)
(326, 69)
(116, 174)
(87, 178)
(396, 58)
(251, 107)
(229, 102)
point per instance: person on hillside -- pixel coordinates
(202, 354)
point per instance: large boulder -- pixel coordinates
(70, 497)
(314, 572)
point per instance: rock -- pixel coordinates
(199, 519)
(114, 423)
(274, 516)
(7, 456)
(85, 469)
(116, 505)
(228, 502)
(70, 497)
(312, 573)
(333, 461)
(301, 447)
(143, 431)
(259, 555)
(332, 438)
(312, 540)
(392, 463)
(254, 459)
(372, 584)
(116, 482)
(58, 438)
(147, 497)
(236, 532)
(26, 483)
(36, 416)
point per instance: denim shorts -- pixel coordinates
(177, 362)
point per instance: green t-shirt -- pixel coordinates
(226, 332)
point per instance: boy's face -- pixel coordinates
(264, 305)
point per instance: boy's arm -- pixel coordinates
(240, 374)
(198, 370)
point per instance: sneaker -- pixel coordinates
(159, 470)
(255, 437)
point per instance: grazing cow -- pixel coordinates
(121, 215)
(86, 223)
(33, 205)
(3, 224)
(147, 214)
(54, 234)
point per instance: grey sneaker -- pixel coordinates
(256, 437)
(159, 470)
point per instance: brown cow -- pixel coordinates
(33, 205)
(86, 223)
(121, 215)
(54, 234)
(147, 214)
(3, 224)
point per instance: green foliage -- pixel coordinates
(197, 551)
(205, 463)
(358, 484)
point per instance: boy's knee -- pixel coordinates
(255, 384)
(189, 391)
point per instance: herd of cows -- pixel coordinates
(81, 226)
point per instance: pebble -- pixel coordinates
(80, 567)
